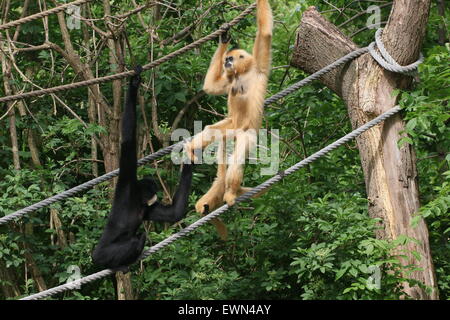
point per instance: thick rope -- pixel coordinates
(42, 14)
(349, 57)
(167, 150)
(224, 28)
(386, 60)
(224, 208)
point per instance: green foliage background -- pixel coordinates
(310, 237)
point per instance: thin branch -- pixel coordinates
(186, 31)
(43, 46)
(183, 111)
(7, 112)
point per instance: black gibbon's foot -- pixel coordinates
(205, 209)
(138, 69)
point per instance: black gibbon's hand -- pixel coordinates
(137, 78)
(225, 37)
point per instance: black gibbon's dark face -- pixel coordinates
(237, 61)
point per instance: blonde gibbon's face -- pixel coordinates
(237, 61)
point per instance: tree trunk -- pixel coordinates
(91, 100)
(6, 69)
(14, 140)
(9, 287)
(442, 31)
(390, 172)
(116, 59)
(30, 263)
(9, 90)
(57, 224)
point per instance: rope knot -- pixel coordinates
(386, 60)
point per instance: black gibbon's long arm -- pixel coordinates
(128, 156)
(120, 244)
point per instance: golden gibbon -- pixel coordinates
(243, 77)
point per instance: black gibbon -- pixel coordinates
(243, 77)
(135, 200)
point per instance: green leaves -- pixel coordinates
(339, 258)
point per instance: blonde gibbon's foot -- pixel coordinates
(213, 198)
(243, 190)
(230, 198)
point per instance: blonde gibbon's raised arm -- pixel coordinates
(216, 82)
(263, 41)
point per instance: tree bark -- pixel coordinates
(390, 172)
(35, 271)
(33, 148)
(14, 139)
